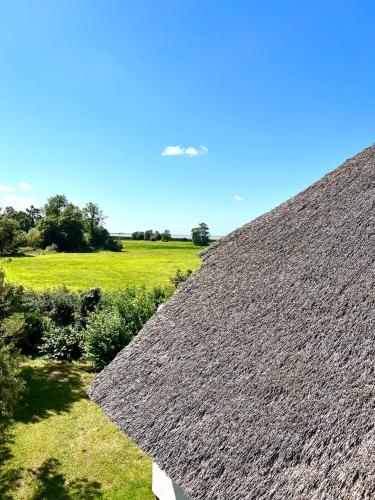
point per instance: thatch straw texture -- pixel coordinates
(256, 380)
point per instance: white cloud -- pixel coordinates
(238, 198)
(173, 151)
(25, 186)
(18, 202)
(180, 151)
(5, 188)
(191, 152)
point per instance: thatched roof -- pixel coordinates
(257, 379)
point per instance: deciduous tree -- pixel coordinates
(201, 234)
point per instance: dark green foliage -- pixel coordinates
(49, 230)
(60, 305)
(98, 237)
(23, 330)
(24, 219)
(62, 225)
(201, 234)
(136, 305)
(29, 336)
(148, 234)
(11, 236)
(160, 295)
(53, 323)
(51, 248)
(34, 238)
(60, 343)
(71, 228)
(11, 385)
(138, 235)
(166, 235)
(89, 300)
(34, 214)
(105, 335)
(114, 325)
(11, 297)
(10, 328)
(55, 204)
(61, 324)
(180, 277)
(113, 245)
(93, 218)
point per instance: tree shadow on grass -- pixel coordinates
(51, 484)
(50, 389)
(9, 478)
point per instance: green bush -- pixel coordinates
(89, 300)
(11, 385)
(113, 245)
(53, 248)
(23, 330)
(180, 277)
(48, 322)
(60, 343)
(30, 335)
(105, 335)
(115, 324)
(137, 304)
(34, 238)
(60, 305)
(11, 297)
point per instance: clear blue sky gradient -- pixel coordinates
(92, 92)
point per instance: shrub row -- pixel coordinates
(68, 325)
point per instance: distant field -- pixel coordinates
(140, 263)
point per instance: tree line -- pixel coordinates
(58, 225)
(150, 235)
(200, 235)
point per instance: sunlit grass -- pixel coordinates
(141, 263)
(63, 446)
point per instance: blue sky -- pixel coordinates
(268, 96)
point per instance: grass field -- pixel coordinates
(140, 263)
(62, 446)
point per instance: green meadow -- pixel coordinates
(145, 263)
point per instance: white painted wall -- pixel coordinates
(163, 487)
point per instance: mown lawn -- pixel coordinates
(140, 263)
(62, 446)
